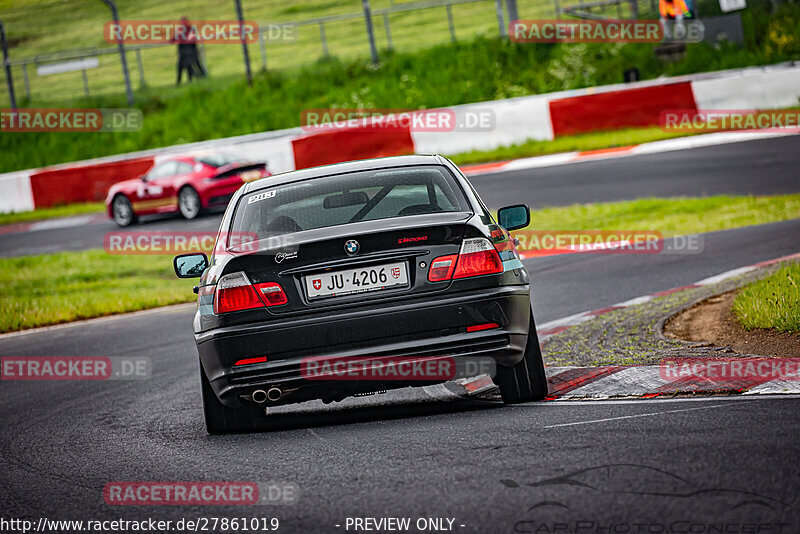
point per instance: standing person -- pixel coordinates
(188, 59)
(673, 9)
(672, 14)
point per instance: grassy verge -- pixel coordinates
(55, 288)
(481, 69)
(81, 26)
(670, 216)
(570, 143)
(772, 302)
(51, 213)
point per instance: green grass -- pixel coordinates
(50, 289)
(29, 26)
(670, 216)
(581, 142)
(56, 288)
(51, 213)
(773, 302)
(479, 69)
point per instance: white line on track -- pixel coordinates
(635, 416)
(655, 400)
(86, 322)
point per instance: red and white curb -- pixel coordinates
(559, 325)
(53, 224)
(666, 145)
(640, 380)
(646, 381)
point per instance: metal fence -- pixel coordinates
(68, 74)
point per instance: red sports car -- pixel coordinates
(185, 184)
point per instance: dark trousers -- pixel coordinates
(187, 64)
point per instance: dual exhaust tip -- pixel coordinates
(272, 394)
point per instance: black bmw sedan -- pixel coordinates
(359, 277)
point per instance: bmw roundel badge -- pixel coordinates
(351, 247)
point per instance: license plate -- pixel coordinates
(353, 281)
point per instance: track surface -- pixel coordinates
(768, 166)
(423, 453)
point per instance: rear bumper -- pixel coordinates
(429, 327)
(219, 194)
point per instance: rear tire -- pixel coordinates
(122, 211)
(525, 381)
(219, 418)
(189, 203)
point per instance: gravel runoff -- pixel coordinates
(634, 335)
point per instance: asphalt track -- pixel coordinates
(684, 465)
(767, 166)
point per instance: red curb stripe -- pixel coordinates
(778, 260)
(15, 228)
(603, 311)
(555, 330)
(478, 384)
(572, 379)
(673, 290)
(704, 384)
(587, 154)
(480, 167)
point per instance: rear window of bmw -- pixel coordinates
(347, 198)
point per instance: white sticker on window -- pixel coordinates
(261, 196)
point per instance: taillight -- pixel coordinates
(235, 293)
(484, 326)
(442, 268)
(272, 293)
(477, 257)
(248, 361)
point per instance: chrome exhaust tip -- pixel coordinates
(274, 394)
(260, 396)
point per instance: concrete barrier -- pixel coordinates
(516, 120)
(338, 145)
(15, 192)
(750, 89)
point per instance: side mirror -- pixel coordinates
(514, 217)
(190, 265)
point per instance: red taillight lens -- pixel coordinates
(248, 361)
(477, 257)
(479, 327)
(442, 268)
(272, 293)
(235, 293)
